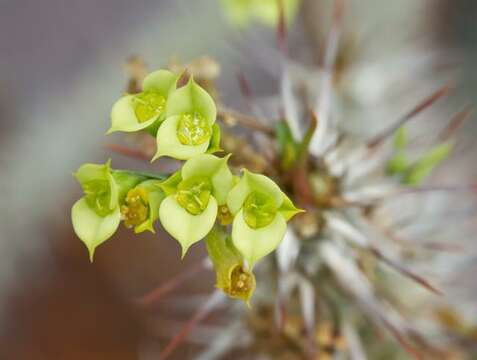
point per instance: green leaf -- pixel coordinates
(213, 168)
(424, 166)
(91, 228)
(398, 164)
(254, 244)
(168, 143)
(400, 138)
(231, 275)
(192, 99)
(287, 147)
(186, 228)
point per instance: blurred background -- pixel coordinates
(61, 68)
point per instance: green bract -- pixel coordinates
(242, 12)
(189, 126)
(141, 206)
(189, 211)
(424, 166)
(146, 109)
(398, 164)
(261, 211)
(232, 276)
(96, 215)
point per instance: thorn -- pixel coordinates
(170, 285)
(245, 90)
(424, 104)
(134, 153)
(204, 310)
(406, 272)
(455, 123)
(282, 28)
(402, 341)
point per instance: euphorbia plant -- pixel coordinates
(198, 201)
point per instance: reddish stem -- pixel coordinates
(196, 318)
(427, 102)
(158, 293)
(123, 150)
(455, 123)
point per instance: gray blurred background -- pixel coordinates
(61, 68)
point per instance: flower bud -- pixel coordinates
(231, 275)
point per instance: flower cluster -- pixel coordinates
(243, 218)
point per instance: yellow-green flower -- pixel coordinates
(141, 206)
(242, 12)
(189, 126)
(194, 194)
(96, 215)
(261, 211)
(146, 109)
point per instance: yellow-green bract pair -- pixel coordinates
(112, 195)
(242, 12)
(415, 172)
(183, 120)
(204, 184)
